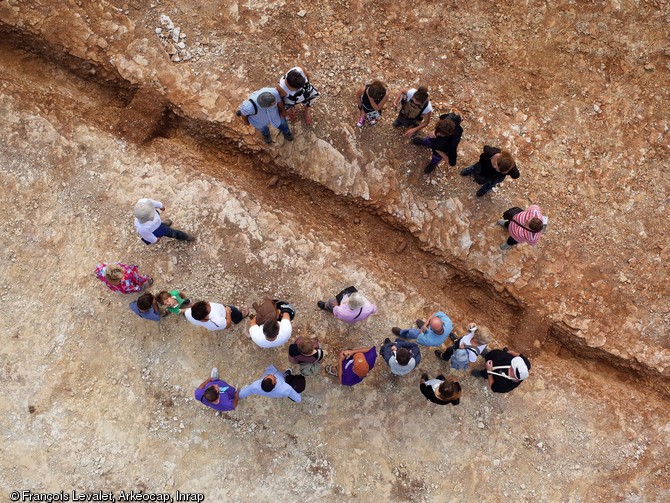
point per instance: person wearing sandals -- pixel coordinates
(370, 100)
(306, 352)
(295, 89)
(441, 390)
(349, 306)
(354, 365)
(122, 278)
(522, 226)
(465, 351)
(214, 316)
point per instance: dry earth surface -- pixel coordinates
(99, 400)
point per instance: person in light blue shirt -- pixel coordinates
(274, 384)
(429, 333)
(265, 107)
(146, 307)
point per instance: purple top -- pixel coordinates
(348, 315)
(349, 378)
(226, 396)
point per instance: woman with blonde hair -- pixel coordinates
(122, 278)
(465, 351)
(349, 306)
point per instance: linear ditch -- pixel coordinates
(147, 116)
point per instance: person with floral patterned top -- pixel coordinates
(122, 278)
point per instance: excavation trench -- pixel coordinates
(144, 116)
(115, 407)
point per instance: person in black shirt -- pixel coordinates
(505, 370)
(441, 390)
(443, 142)
(493, 166)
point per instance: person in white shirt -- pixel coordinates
(215, 316)
(149, 225)
(415, 110)
(474, 343)
(272, 333)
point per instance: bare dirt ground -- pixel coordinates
(96, 399)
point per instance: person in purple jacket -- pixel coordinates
(349, 306)
(354, 365)
(217, 394)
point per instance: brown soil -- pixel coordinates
(113, 407)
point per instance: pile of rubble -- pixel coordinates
(173, 39)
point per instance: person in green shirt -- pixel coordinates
(174, 300)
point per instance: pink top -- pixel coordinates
(132, 281)
(519, 233)
(348, 315)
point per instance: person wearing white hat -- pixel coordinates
(150, 226)
(262, 108)
(505, 370)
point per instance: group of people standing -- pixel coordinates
(272, 105)
(270, 326)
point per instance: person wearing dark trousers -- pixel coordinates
(493, 166)
(149, 225)
(214, 316)
(505, 370)
(443, 141)
(441, 390)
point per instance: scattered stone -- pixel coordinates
(401, 246)
(273, 181)
(650, 67)
(172, 39)
(302, 13)
(357, 220)
(31, 409)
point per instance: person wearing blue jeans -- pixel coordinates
(429, 333)
(263, 108)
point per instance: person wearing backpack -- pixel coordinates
(262, 108)
(465, 351)
(443, 141)
(415, 110)
(522, 226)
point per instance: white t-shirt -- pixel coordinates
(429, 107)
(217, 317)
(257, 335)
(467, 339)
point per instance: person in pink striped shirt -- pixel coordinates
(523, 227)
